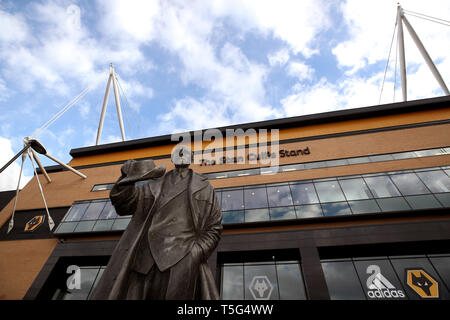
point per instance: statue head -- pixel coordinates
(181, 156)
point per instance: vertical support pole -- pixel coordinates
(426, 56)
(40, 165)
(401, 44)
(116, 96)
(105, 104)
(11, 222)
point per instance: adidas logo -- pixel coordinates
(380, 287)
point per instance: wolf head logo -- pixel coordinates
(261, 287)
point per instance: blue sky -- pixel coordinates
(188, 65)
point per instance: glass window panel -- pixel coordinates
(423, 202)
(257, 276)
(257, 215)
(335, 163)
(382, 187)
(121, 224)
(217, 175)
(442, 265)
(314, 165)
(444, 198)
(282, 213)
(404, 155)
(393, 204)
(335, 209)
(103, 225)
(364, 206)
(436, 181)
(329, 191)
(232, 282)
(233, 216)
(279, 196)
(292, 167)
(380, 276)
(304, 193)
(290, 282)
(428, 153)
(309, 211)
(232, 200)
(409, 184)
(88, 276)
(381, 157)
(355, 189)
(108, 212)
(401, 266)
(342, 281)
(102, 187)
(94, 210)
(85, 226)
(269, 170)
(76, 211)
(358, 160)
(255, 198)
(66, 227)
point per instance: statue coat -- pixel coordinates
(142, 201)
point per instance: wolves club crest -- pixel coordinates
(34, 223)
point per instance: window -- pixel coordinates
(282, 213)
(304, 193)
(329, 191)
(89, 276)
(382, 187)
(102, 187)
(232, 200)
(409, 184)
(387, 277)
(257, 215)
(342, 281)
(355, 189)
(255, 198)
(436, 181)
(279, 196)
(280, 280)
(92, 216)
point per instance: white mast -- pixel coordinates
(400, 20)
(112, 78)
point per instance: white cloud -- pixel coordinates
(278, 58)
(300, 70)
(9, 177)
(324, 96)
(59, 42)
(294, 22)
(13, 28)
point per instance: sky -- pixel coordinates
(197, 64)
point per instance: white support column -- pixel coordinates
(105, 104)
(35, 156)
(116, 96)
(401, 45)
(426, 56)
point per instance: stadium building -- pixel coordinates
(358, 208)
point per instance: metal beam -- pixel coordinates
(105, 104)
(426, 56)
(116, 96)
(401, 45)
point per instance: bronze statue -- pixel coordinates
(175, 227)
